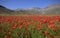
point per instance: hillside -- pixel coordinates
(4, 10)
(52, 9)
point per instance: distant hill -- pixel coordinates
(4, 10)
(52, 9)
(34, 10)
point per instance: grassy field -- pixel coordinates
(29, 26)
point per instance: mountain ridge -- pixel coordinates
(52, 9)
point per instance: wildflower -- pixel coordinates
(46, 32)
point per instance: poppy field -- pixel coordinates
(29, 26)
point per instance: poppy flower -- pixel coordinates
(21, 23)
(9, 33)
(54, 28)
(46, 32)
(51, 26)
(55, 36)
(20, 26)
(5, 33)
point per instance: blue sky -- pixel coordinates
(14, 4)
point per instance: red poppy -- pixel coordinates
(55, 36)
(9, 33)
(51, 22)
(54, 28)
(46, 32)
(44, 21)
(5, 33)
(14, 26)
(20, 26)
(21, 23)
(51, 26)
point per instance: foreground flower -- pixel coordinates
(20, 26)
(55, 36)
(46, 32)
(51, 26)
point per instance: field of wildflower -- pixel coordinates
(29, 26)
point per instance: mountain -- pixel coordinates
(34, 10)
(52, 9)
(4, 10)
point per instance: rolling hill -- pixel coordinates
(52, 9)
(4, 10)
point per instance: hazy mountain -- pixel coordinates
(35, 10)
(52, 9)
(4, 10)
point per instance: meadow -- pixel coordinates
(29, 26)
